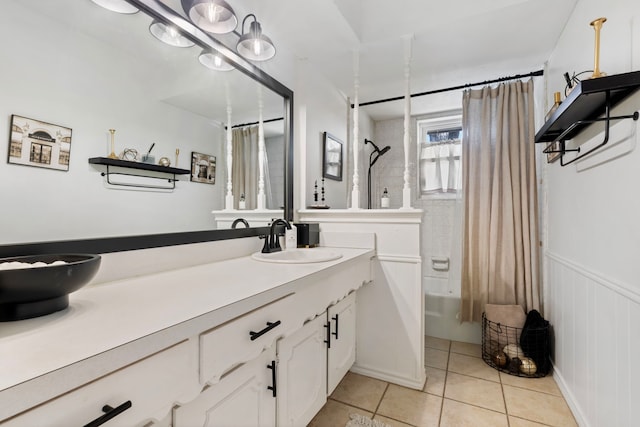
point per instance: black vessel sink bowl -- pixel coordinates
(36, 291)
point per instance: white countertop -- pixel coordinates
(110, 315)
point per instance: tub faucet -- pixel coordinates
(238, 221)
(272, 242)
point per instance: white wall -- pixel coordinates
(54, 74)
(365, 130)
(319, 108)
(592, 293)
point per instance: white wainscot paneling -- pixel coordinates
(390, 323)
(390, 315)
(595, 345)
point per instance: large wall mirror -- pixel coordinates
(76, 65)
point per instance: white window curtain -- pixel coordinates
(440, 168)
(440, 149)
(500, 260)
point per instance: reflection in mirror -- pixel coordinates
(76, 65)
(246, 158)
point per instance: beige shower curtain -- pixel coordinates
(500, 262)
(245, 165)
(246, 171)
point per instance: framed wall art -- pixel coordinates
(203, 168)
(555, 153)
(332, 157)
(40, 144)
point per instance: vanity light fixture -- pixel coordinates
(212, 16)
(119, 6)
(169, 34)
(254, 45)
(213, 60)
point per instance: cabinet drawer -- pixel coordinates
(345, 281)
(243, 338)
(152, 385)
(313, 300)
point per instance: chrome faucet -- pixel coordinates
(272, 242)
(238, 221)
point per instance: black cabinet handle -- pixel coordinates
(272, 366)
(109, 413)
(328, 340)
(335, 334)
(270, 326)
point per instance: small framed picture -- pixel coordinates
(554, 151)
(203, 168)
(332, 157)
(40, 144)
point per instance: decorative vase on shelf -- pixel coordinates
(597, 26)
(113, 154)
(556, 103)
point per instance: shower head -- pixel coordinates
(375, 147)
(373, 158)
(378, 153)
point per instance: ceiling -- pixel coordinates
(173, 75)
(453, 42)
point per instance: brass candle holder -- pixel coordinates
(113, 154)
(597, 26)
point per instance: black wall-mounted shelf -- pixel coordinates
(106, 161)
(589, 102)
(137, 165)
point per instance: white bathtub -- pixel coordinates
(442, 313)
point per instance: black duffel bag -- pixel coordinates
(534, 341)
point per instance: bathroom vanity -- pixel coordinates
(238, 341)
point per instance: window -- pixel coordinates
(439, 151)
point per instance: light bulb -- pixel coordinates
(213, 13)
(257, 47)
(214, 61)
(169, 34)
(119, 6)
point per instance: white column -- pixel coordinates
(261, 196)
(228, 201)
(355, 192)
(406, 191)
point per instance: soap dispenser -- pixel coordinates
(291, 238)
(242, 204)
(384, 201)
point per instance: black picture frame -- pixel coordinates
(203, 168)
(37, 143)
(331, 157)
(555, 153)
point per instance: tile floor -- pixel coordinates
(461, 390)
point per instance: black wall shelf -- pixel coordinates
(106, 161)
(137, 165)
(589, 102)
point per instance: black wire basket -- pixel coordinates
(516, 351)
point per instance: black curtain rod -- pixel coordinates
(255, 123)
(447, 89)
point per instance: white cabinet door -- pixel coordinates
(342, 351)
(245, 397)
(302, 373)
